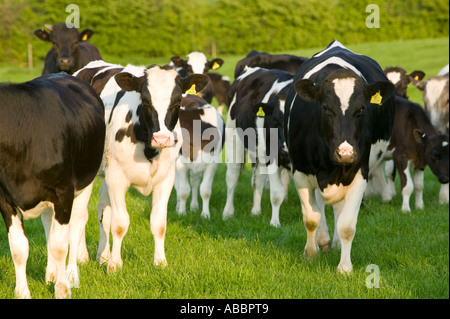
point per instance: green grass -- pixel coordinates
(244, 257)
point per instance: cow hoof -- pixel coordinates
(256, 211)
(113, 266)
(72, 276)
(205, 215)
(227, 213)
(325, 247)
(50, 275)
(194, 207)
(310, 253)
(344, 269)
(161, 263)
(275, 223)
(62, 290)
(23, 293)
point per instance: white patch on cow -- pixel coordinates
(444, 144)
(394, 77)
(197, 61)
(161, 84)
(335, 44)
(210, 115)
(443, 71)
(226, 78)
(276, 87)
(344, 89)
(333, 60)
(434, 88)
(37, 210)
(247, 72)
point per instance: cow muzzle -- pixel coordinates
(162, 140)
(345, 154)
(65, 64)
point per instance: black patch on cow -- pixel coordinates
(129, 116)
(88, 74)
(119, 95)
(102, 78)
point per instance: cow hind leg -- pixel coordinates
(104, 221)
(195, 183)
(206, 187)
(182, 186)
(418, 188)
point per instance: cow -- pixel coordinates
(400, 79)
(51, 146)
(340, 105)
(203, 131)
(70, 50)
(416, 142)
(435, 97)
(141, 145)
(198, 63)
(255, 124)
(285, 62)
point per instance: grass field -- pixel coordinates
(244, 257)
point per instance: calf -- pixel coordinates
(285, 62)
(400, 79)
(51, 145)
(218, 85)
(203, 131)
(416, 142)
(255, 124)
(70, 51)
(141, 146)
(341, 104)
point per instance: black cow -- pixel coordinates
(416, 142)
(52, 135)
(70, 51)
(285, 62)
(340, 104)
(255, 124)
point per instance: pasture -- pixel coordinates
(244, 257)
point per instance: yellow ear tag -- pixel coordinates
(215, 66)
(85, 37)
(376, 98)
(191, 90)
(416, 77)
(260, 112)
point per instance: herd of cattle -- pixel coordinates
(336, 123)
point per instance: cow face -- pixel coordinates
(400, 79)
(161, 89)
(436, 153)
(343, 101)
(65, 41)
(197, 63)
(273, 123)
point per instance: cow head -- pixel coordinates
(400, 79)
(65, 41)
(272, 117)
(436, 153)
(161, 89)
(344, 103)
(196, 63)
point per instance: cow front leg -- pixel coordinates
(418, 188)
(443, 194)
(158, 216)
(206, 188)
(104, 221)
(259, 175)
(182, 186)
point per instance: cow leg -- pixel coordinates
(235, 153)
(104, 221)
(182, 186)
(117, 185)
(158, 216)
(407, 187)
(323, 236)
(50, 271)
(77, 240)
(337, 209)
(390, 175)
(259, 179)
(346, 224)
(443, 194)
(195, 182)
(380, 183)
(310, 211)
(418, 188)
(18, 244)
(277, 193)
(206, 187)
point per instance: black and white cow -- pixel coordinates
(400, 79)
(341, 104)
(51, 145)
(70, 51)
(218, 85)
(285, 62)
(203, 131)
(141, 146)
(416, 142)
(255, 124)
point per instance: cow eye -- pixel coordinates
(360, 112)
(327, 110)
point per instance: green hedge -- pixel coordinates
(152, 28)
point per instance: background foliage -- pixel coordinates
(152, 28)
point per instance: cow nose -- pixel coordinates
(345, 154)
(64, 61)
(161, 141)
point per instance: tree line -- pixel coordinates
(157, 28)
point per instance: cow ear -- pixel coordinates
(199, 80)
(379, 92)
(42, 34)
(178, 62)
(215, 64)
(416, 75)
(306, 89)
(419, 136)
(417, 83)
(86, 34)
(128, 82)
